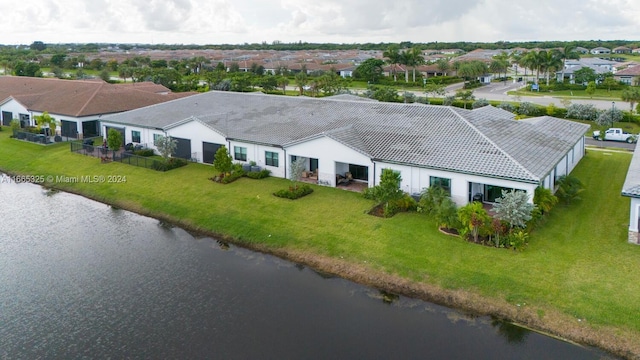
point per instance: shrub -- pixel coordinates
(431, 198)
(480, 103)
(403, 204)
(170, 164)
(232, 177)
(529, 109)
(258, 174)
(518, 239)
(507, 106)
(294, 192)
(144, 152)
(569, 188)
(582, 112)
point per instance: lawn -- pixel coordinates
(578, 263)
(599, 94)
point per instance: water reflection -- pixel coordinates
(512, 333)
(107, 283)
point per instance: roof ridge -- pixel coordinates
(86, 104)
(494, 144)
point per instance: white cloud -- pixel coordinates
(240, 21)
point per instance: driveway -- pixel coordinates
(609, 144)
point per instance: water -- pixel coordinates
(82, 280)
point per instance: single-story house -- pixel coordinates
(600, 50)
(78, 105)
(569, 72)
(628, 75)
(467, 152)
(622, 50)
(631, 188)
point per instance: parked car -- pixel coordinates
(616, 134)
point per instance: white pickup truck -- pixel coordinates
(616, 134)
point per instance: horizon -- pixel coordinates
(239, 22)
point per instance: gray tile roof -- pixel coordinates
(631, 185)
(485, 141)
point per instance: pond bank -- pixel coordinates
(552, 323)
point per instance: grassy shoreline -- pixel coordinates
(576, 279)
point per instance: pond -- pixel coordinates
(83, 280)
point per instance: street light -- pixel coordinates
(613, 107)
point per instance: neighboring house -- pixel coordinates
(621, 50)
(631, 188)
(76, 104)
(569, 73)
(581, 50)
(628, 75)
(600, 50)
(347, 72)
(468, 152)
(608, 64)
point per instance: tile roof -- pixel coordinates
(631, 185)
(485, 141)
(82, 97)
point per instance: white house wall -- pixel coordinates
(415, 180)
(146, 134)
(197, 133)
(256, 153)
(16, 109)
(333, 158)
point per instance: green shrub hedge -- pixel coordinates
(294, 192)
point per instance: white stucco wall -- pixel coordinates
(16, 109)
(634, 214)
(415, 180)
(333, 158)
(197, 133)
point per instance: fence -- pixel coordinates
(86, 147)
(141, 161)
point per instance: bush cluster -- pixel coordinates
(144, 152)
(231, 177)
(170, 164)
(258, 174)
(294, 192)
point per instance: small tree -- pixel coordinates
(591, 88)
(166, 146)
(514, 208)
(544, 199)
(222, 161)
(15, 126)
(569, 188)
(473, 217)
(297, 168)
(608, 117)
(114, 139)
(465, 96)
(46, 119)
(388, 189)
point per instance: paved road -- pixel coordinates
(610, 144)
(498, 91)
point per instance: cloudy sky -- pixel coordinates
(335, 21)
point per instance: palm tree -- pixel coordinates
(392, 54)
(568, 52)
(443, 65)
(550, 60)
(499, 64)
(415, 58)
(405, 59)
(631, 95)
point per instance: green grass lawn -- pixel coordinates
(578, 262)
(599, 94)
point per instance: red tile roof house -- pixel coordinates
(77, 105)
(628, 75)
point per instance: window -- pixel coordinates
(441, 182)
(271, 158)
(155, 138)
(240, 153)
(135, 136)
(359, 172)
